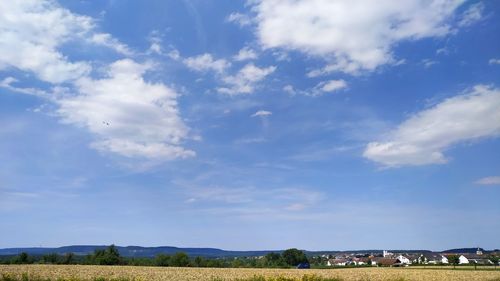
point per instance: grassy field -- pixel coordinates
(82, 272)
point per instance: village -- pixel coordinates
(395, 259)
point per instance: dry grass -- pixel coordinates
(83, 272)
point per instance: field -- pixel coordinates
(82, 272)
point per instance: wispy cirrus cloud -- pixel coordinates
(493, 180)
(239, 18)
(472, 15)
(494, 61)
(324, 87)
(261, 113)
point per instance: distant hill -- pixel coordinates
(464, 251)
(135, 251)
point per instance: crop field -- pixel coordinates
(125, 273)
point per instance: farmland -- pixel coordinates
(85, 272)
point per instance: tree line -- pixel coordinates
(111, 256)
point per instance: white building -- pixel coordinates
(387, 254)
(403, 259)
(463, 260)
(433, 258)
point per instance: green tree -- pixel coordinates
(68, 258)
(22, 258)
(109, 256)
(294, 256)
(274, 260)
(52, 258)
(494, 259)
(179, 259)
(454, 259)
(215, 263)
(162, 260)
(200, 262)
(236, 263)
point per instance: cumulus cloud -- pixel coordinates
(206, 62)
(261, 113)
(129, 116)
(489, 181)
(126, 114)
(352, 35)
(31, 32)
(245, 54)
(423, 138)
(245, 80)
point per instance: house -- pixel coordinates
(358, 261)
(388, 262)
(337, 262)
(403, 260)
(366, 261)
(433, 258)
(463, 260)
(474, 259)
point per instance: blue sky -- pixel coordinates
(264, 124)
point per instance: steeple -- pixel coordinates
(479, 252)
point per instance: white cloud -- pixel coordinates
(351, 35)
(442, 51)
(245, 80)
(31, 31)
(332, 85)
(494, 61)
(472, 15)
(245, 54)
(242, 82)
(489, 181)
(8, 82)
(423, 138)
(156, 41)
(427, 63)
(261, 113)
(241, 19)
(318, 90)
(206, 62)
(289, 89)
(107, 40)
(129, 116)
